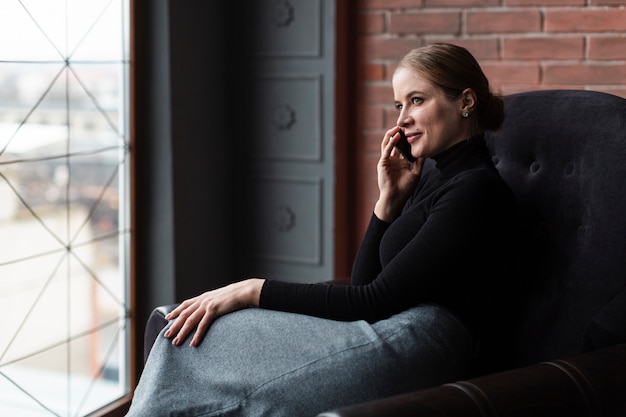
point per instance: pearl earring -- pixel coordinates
(465, 114)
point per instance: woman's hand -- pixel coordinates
(202, 310)
(397, 178)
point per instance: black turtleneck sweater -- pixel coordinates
(448, 246)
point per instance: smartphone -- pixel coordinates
(405, 148)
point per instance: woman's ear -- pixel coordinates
(468, 100)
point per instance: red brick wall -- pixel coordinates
(521, 45)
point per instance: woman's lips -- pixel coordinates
(413, 136)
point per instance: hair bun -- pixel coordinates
(492, 114)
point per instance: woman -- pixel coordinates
(419, 300)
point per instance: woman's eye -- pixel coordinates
(398, 106)
(416, 100)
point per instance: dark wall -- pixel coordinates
(207, 110)
(190, 97)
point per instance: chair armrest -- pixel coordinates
(156, 322)
(589, 384)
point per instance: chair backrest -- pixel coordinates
(563, 152)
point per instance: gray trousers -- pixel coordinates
(257, 362)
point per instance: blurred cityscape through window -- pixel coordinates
(64, 231)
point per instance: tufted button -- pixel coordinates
(569, 169)
(534, 167)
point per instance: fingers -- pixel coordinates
(189, 316)
(199, 312)
(181, 317)
(389, 140)
(181, 307)
(203, 326)
(185, 327)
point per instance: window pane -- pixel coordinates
(64, 214)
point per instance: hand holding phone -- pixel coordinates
(404, 147)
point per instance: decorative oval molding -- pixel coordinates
(284, 219)
(282, 13)
(284, 117)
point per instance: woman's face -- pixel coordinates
(432, 121)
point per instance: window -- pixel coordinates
(64, 246)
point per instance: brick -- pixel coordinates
(545, 86)
(543, 48)
(585, 20)
(425, 22)
(616, 91)
(607, 47)
(503, 22)
(585, 74)
(372, 117)
(482, 49)
(372, 192)
(372, 139)
(390, 116)
(606, 2)
(367, 172)
(369, 23)
(462, 3)
(507, 89)
(371, 72)
(385, 48)
(387, 4)
(379, 92)
(389, 70)
(361, 217)
(544, 3)
(512, 72)
(520, 88)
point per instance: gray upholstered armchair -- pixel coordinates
(564, 155)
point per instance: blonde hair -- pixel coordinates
(453, 69)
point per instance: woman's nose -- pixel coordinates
(403, 119)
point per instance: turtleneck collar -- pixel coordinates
(462, 156)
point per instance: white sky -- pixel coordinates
(30, 29)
